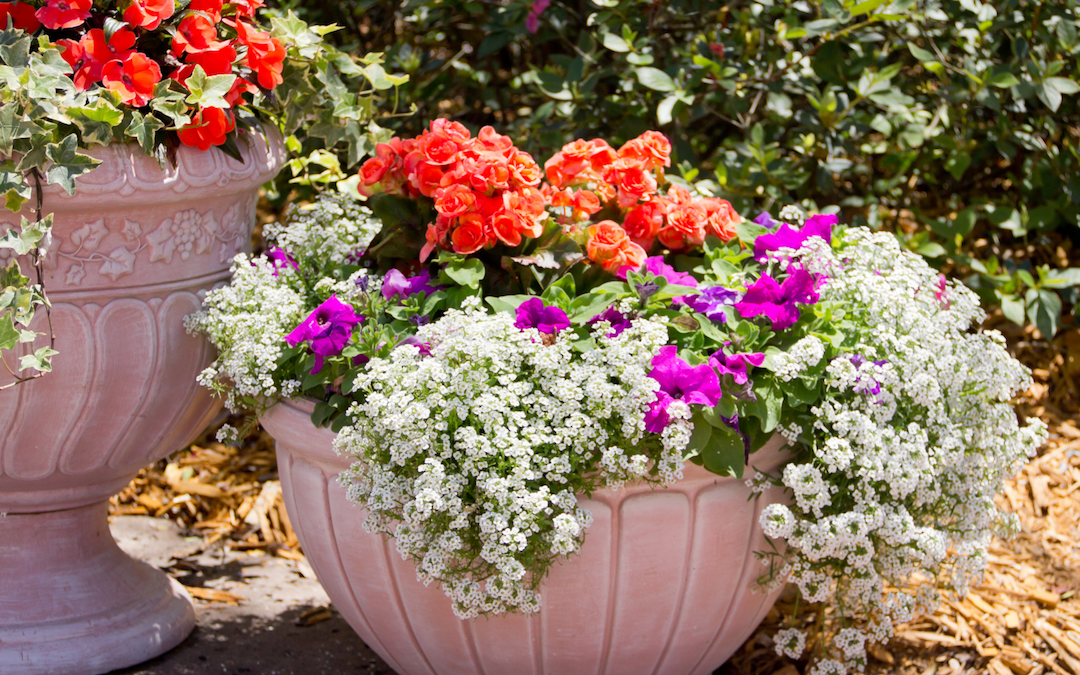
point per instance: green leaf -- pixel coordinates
(1062, 278)
(1044, 310)
(208, 91)
(665, 109)
(920, 53)
(9, 335)
(957, 164)
(39, 360)
(724, 454)
(655, 79)
(1012, 307)
(749, 231)
(1002, 80)
(465, 272)
(66, 164)
(615, 43)
(144, 128)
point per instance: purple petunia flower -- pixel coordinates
(657, 267)
(766, 220)
(281, 259)
(778, 302)
(328, 329)
(424, 347)
(618, 321)
(787, 237)
(733, 423)
(533, 313)
(679, 381)
(736, 365)
(866, 384)
(710, 302)
(396, 284)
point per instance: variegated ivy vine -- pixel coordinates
(81, 73)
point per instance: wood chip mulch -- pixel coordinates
(1024, 619)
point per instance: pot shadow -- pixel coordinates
(299, 641)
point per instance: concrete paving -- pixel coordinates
(283, 623)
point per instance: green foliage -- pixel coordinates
(956, 118)
(46, 123)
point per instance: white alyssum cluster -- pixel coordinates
(248, 319)
(803, 355)
(471, 457)
(907, 448)
(333, 230)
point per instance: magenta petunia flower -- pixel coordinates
(679, 381)
(736, 365)
(618, 321)
(787, 237)
(777, 302)
(396, 284)
(533, 313)
(281, 259)
(327, 329)
(657, 267)
(710, 302)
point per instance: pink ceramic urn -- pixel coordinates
(662, 586)
(132, 252)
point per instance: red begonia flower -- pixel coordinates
(18, 15)
(209, 7)
(148, 14)
(134, 78)
(209, 126)
(58, 14)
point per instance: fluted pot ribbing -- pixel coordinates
(662, 586)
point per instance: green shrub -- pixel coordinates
(953, 123)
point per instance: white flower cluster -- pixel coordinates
(247, 320)
(471, 457)
(334, 229)
(803, 355)
(909, 444)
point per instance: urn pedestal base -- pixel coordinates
(73, 603)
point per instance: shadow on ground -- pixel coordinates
(282, 645)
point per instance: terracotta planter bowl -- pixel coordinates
(132, 251)
(662, 584)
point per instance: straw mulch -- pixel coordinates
(1024, 619)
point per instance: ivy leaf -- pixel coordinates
(170, 103)
(16, 54)
(97, 122)
(9, 335)
(39, 360)
(67, 164)
(208, 91)
(144, 128)
(16, 192)
(13, 126)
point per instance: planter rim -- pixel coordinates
(127, 172)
